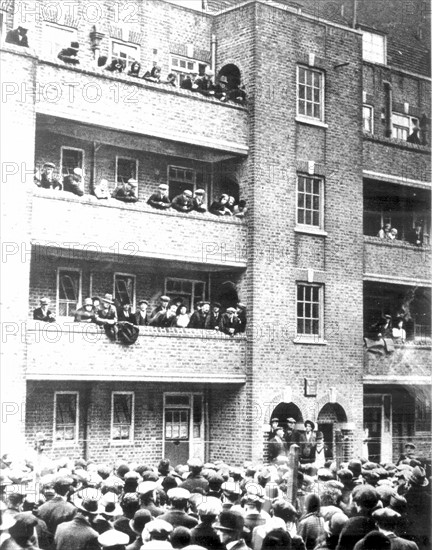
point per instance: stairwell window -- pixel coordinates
(310, 302)
(68, 291)
(368, 122)
(310, 93)
(122, 416)
(374, 47)
(310, 202)
(66, 417)
(403, 126)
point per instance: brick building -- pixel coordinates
(319, 152)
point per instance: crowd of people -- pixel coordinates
(108, 313)
(415, 236)
(79, 504)
(186, 202)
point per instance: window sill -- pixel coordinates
(310, 341)
(311, 121)
(310, 230)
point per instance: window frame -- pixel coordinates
(310, 227)
(69, 442)
(126, 158)
(66, 147)
(311, 338)
(183, 72)
(71, 31)
(409, 127)
(116, 273)
(179, 181)
(131, 438)
(305, 117)
(372, 59)
(127, 44)
(79, 300)
(372, 114)
(194, 297)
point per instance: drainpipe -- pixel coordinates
(388, 98)
(213, 53)
(354, 23)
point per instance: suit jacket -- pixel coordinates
(397, 543)
(198, 320)
(182, 204)
(76, 535)
(306, 447)
(240, 545)
(354, 530)
(416, 238)
(156, 316)
(141, 320)
(39, 315)
(293, 437)
(204, 535)
(276, 447)
(226, 323)
(122, 317)
(179, 517)
(158, 201)
(328, 455)
(56, 511)
(49, 184)
(14, 37)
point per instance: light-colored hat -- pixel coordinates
(108, 298)
(178, 493)
(209, 72)
(133, 182)
(45, 301)
(49, 165)
(88, 302)
(223, 79)
(78, 171)
(187, 193)
(159, 526)
(163, 187)
(112, 538)
(199, 192)
(146, 487)
(165, 298)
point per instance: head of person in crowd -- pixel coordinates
(96, 302)
(146, 491)
(143, 305)
(410, 448)
(40, 437)
(158, 529)
(355, 466)
(164, 302)
(224, 198)
(181, 310)
(164, 467)
(179, 498)
(135, 69)
(195, 466)
(130, 504)
(291, 424)
(231, 492)
(48, 170)
(231, 202)
(88, 305)
(205, 308)
(319, 440)
(285, 510)
(312, 504)
(180, 537)
(274, 423)
(208, 74)
(386, 519)
(277, 538)
(163, 189)
(393, 233)
(230, 526)
(417, 477)
(309, 426)
(23, 529)
(209, 509)
(113, 539)
(365, 498)
(387, 228)
(232, 312)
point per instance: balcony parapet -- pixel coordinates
(401, 143)
(408, 360)
(60, 218)
(396, 261)
(78, 351)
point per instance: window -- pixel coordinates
(66, 416)
(402, 126)
(180, 179)
(368, 114)
(188, 291)
(374, 47)
(183, 66)
(310, 94)
(126, 168)
(309, 310)
(68, 291)
(122, 416)
(71, 158)
(56, 37)
(125, 52)
(310, 209)
(124, 288)
(422, 413)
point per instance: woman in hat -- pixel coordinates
(86, 313)
(182, 318)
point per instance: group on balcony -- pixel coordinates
(109, 313)
(415, 236)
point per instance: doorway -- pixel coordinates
(378, 426)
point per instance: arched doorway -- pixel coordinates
(329, 418)
(232, 73)
(283, 411)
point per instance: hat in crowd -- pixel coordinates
(336, 524)
(140, 520)
(231, 488)
(110, 505)
(274, 419)
(376, 539)
(311, 424)
(113, 538)
(199, 192)
(230, 521)
(88, 302)
(49, 165)
(324, 474)
(45, 301)
(209, 72)
(398, 503)
(223, 79)
(417, 477)
(291, 420)
(163, 187)
(143, 302)
(78, 171)
(355, 466)
(146, 487)
(216, 304)
(319, 435)
(408, 445)
(133, 182)
(178, 493)
(187, 193)
(108, 298)
(386, 516)
(366, 496)
(40, 436)
(195, 463)
(285, 510)
(87, 501)
(75, 45)
(159, 527)
(231, 310)
(165, 298)
(210, 506)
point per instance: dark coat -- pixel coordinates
(56, 511)
(193, 482)
(153, 509)
(291, 438)
(213, 320)
(416, 238)
(198, 320)
(122, 317)
(14, 37)
(124, 195)
(354, 530)
(158, 201)
(226, 323)
(327, 453)
(204, 535)
(84, 316)
(39, 315)
(306, 447)
(71, 184)
(277, 447)
(76, 535)
(140, 319)
(397, 543)
(310, 529)
(179, 517)
(69, 55)
(45, 183)
(182, 203)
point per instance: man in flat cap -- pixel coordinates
(199, 201)
(47, 179)
(74, 183)
(183, 202)
(141, 315)
(229, 323)
(408, 455)
(78, 534)
(230, 528)
(292, 436)
(43, 313)
(160, 198)
(387, 521)
(199, 316)
(159, 311)
(178, 515)
(126, 192)
(204, 534)
(195, 479)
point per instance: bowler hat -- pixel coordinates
(417, 477)
(139, 521)
(230, 521)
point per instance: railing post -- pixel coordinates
(293, 461)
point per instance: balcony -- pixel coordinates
(128, 104)
(74, 351)
(409, 363)
(62, 219)
(396, 261)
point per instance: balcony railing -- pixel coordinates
(136, 230)
(75, 351)
(396, 261)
